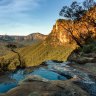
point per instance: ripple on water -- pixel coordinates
(48, 74)
(20, 75)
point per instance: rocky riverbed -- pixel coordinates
(54, 79)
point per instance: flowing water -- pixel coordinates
(22, 74)
(52, 72)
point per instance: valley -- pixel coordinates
(62, 63)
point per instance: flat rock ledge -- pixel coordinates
(38, 86)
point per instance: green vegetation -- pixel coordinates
(36, 54)
(55, 47)
(85, 58)
(89, 47)
(3, 49)
(39, 53)
(76, 10)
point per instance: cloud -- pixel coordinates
(17, 11)
(17, 16)
(7, 6)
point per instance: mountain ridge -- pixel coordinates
(58, 45)
(30, 37)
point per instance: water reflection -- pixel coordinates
(21, 74)
(4, 87)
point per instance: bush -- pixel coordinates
(89, 48)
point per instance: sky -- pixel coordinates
(23, 17)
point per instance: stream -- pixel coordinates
(19, 75)
(53, 71)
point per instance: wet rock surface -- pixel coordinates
(78, 82)
(49, 88)
(82, 77)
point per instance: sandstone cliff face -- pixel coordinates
(81, 30)
(58, 35)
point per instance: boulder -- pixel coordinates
(33, 78)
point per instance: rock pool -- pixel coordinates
(53, 71)
(21, 74)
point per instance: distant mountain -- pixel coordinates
(19, 41)
(58, 45)
(31, 37)
(35, 36)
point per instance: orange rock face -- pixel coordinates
(82, 29)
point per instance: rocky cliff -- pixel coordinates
(64, 32)
(58, 35)
(67, 31)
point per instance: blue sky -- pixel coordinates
(22, 17)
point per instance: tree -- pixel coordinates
(11, 46)
(88, 4)
(76, 10)
(66, 12)
(72, 12)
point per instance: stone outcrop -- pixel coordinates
(67, 31)
(50, 88)
(63, 33)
